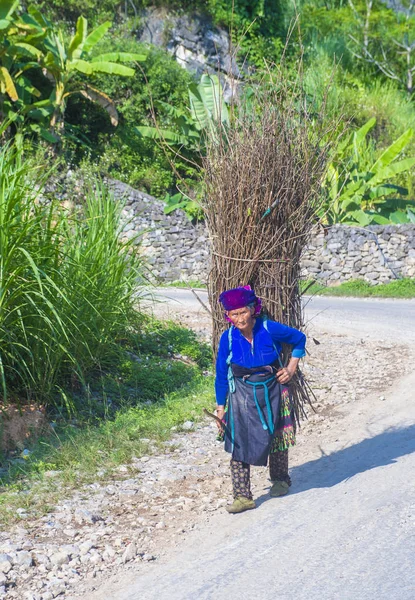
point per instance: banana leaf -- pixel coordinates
(393, 150)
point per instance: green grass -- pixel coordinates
(157, 380)
(195, 284)
(93, 453)
(401, 288)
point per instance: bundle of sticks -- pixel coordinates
(263, 177)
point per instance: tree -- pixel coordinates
(63, 62)
(390, 46)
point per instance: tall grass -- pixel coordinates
(67, 285)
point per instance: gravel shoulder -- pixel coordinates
(132, 537)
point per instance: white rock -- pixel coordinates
(130, 553)
(5, 563)
(149, 557)
(23, 559)
(71, 549)
(59, 558)
(82, 515)
(187, 425)
(85, 547)
(3, 579)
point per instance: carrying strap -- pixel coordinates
(265, 323)
(231, 379)
(255, 384)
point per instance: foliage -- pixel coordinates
(401, 288)
(61, 62)
(68, 286)
(359, 187)
(83, 454)
(71, 10)
(120, 152)
(207, 109)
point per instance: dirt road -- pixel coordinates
(347, 529)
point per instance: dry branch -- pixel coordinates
(263, 181)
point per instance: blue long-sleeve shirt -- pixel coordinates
(264, 350)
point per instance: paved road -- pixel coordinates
(377, 317)
(347, 530)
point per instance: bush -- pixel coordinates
(119, 152)
(68, 285)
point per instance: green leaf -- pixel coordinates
(95, 36)
(82, 66)
(39, 17)
(43, 132)
(411, 215)
(112, 69)
(77, 42)
(120, 57)
(4, 24)
(398, 217)
(393, 150)
(8, 7)
(361, 217)
(360, 135)
(206, 102)
(380, 220)
(26, 49)
(390, 171)
(153, 133)
(381, 191)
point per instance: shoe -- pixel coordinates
(240, 504)
(279, 488)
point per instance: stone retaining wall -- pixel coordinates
(178, 250)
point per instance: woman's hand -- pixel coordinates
(285, 374)
(220, 412)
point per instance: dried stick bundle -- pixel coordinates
(263, 178)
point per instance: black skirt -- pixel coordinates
(253, 414)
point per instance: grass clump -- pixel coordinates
(156, 381)
(74, 456)
(68, 285)
(358, 288)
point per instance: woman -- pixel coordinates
(251, 379)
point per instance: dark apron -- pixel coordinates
(253, 414)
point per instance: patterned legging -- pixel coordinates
(241, 473)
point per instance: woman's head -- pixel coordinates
(241, 305)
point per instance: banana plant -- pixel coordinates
(207, 109)
(360, 190)
(18, 54)
(63, 62)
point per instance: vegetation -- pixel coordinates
(401, 288)
(370, 44)
(68, 285)
(83, 453)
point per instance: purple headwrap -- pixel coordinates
(240, 297)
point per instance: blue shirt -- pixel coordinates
(264, 350)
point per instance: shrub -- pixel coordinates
(67, 284)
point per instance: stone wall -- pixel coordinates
(377, 254)
(174, 248)
(178, 250)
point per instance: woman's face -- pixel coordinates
(242, 318)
